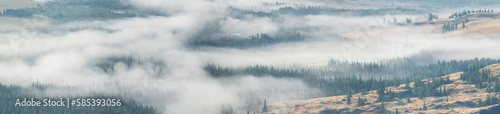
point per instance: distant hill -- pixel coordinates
(16, 4)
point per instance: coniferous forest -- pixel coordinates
(253, 57)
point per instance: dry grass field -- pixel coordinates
(463, 99)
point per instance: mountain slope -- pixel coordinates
(462, 98)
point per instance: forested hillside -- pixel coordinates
(248, 56)
(77, 10)
(339, 78)
(445, 94)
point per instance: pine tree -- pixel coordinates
(396, 111)
(383, 108)
(444, 28)
(496, 87)
(425, 107)
(349, 96)
(361, 102)
(381, 94)
(264, 109)
(430, 17)
(408, 100)
(480, 103)
(444, 91)
(407, 85)
(488, 100)
(227, 110)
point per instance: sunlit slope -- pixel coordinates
(479, 25)
(462, 98)
(483, 24)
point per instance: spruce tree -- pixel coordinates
(480, 103)
(381, 94)
(361, 102)
(425, 107)
(264, 109)
(430, 17)
(349, 96)
(383, 108)
(444, 91)
(496, 88)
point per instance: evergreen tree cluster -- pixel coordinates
(459, 14)
(409, 67)
(384, 93)
(489, 101)
(360, 101)
(341, 85)
(496, 87)
(444, 3)
(450, 27)
(432, 17)
(359, 77)
(381, 94)
(477, 76)
(228, 109)
(252, 41)
(431, 87)
(74, 10)
(317, 10)
(158, 66)
(242, 13)
(255, 70)
(456, 25)
(308, 10)
(408, 21)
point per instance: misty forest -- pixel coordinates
(251, 56)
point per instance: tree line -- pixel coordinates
(477, 76)
(357, 77)
(75, 10)
(459, 14)
(257, 40)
